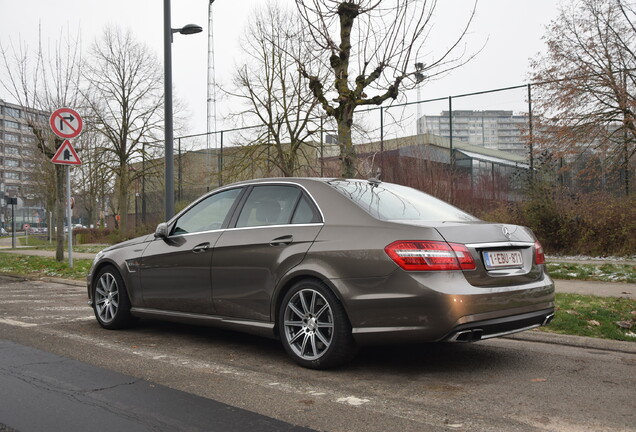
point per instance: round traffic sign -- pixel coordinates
(66, 123)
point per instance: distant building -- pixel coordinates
(17, 163)
(500, 130)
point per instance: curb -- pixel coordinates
(575, 341)
(63, 281)
(73, 282)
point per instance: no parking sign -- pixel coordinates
(66, 123)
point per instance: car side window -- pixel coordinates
(269, 205)
(305, 212)
(208, 214)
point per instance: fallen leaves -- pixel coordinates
(625, 324)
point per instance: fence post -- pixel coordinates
(143, 183)
(382, 141)
(322, 147)
(530, 133)
(179, 188)
(220, 165)
(452, 154)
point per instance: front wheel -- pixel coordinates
(314, 327)
(110, 299)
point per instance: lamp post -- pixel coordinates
(419, 77)
(168, 31)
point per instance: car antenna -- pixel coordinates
(375, 181)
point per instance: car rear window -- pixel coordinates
(388, 201)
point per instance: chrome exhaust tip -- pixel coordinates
(548, 319)
(467, 336)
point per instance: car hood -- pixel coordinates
(142, 239)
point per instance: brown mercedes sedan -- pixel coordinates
(327, 265)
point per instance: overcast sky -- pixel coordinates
(511, 30)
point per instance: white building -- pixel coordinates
(500, 130)
(17, 147)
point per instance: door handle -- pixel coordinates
(201, 247)
(282, 241)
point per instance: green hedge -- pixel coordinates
(596, 224)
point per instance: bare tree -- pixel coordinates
(43, 80)
(274, 93)
(587, 96)
(370, 47)
(94, 176)
(125, 93)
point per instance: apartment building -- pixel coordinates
(17, 154)
(498, 130)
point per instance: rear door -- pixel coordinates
(272, 233)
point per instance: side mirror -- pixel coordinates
(162, 231)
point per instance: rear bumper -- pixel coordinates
(479, 330)
(437, 306)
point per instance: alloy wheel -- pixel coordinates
(309, 324)
(107, 298)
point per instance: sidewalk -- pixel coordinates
(602, 289)
(26, 250)
(590, 260)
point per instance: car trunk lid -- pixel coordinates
(504, 254)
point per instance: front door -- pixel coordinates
(175, 270)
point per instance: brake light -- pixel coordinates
(466, 261)
(539, 256)
(418, 255)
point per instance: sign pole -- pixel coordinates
(13, 242)
(67, 123)
(68, 216)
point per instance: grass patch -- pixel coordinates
(93, 248)
(599, 317)
(42, 243)
(30, 265)
(594, 272)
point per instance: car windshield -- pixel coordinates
(390, 202)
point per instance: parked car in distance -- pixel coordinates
(327, 265)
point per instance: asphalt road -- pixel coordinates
(495, 385)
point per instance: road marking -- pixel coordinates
(352, 400)
(16, 323)
(24, 301)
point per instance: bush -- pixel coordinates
(108, 235)
(597, 224)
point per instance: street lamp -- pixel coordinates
(419, 77)
(168, 31)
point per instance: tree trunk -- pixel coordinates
(123, 199)
(347, 152)
(626, 163)
(60, 177)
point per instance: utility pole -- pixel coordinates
(211, 124)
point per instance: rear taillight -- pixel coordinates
(539, 256)
(418, 255)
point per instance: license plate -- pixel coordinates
(503, 259)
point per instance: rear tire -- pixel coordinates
(110, 299)
(314, 327)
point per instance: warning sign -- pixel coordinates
(66, 123)
(66, 155)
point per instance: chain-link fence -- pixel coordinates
(473, 149)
